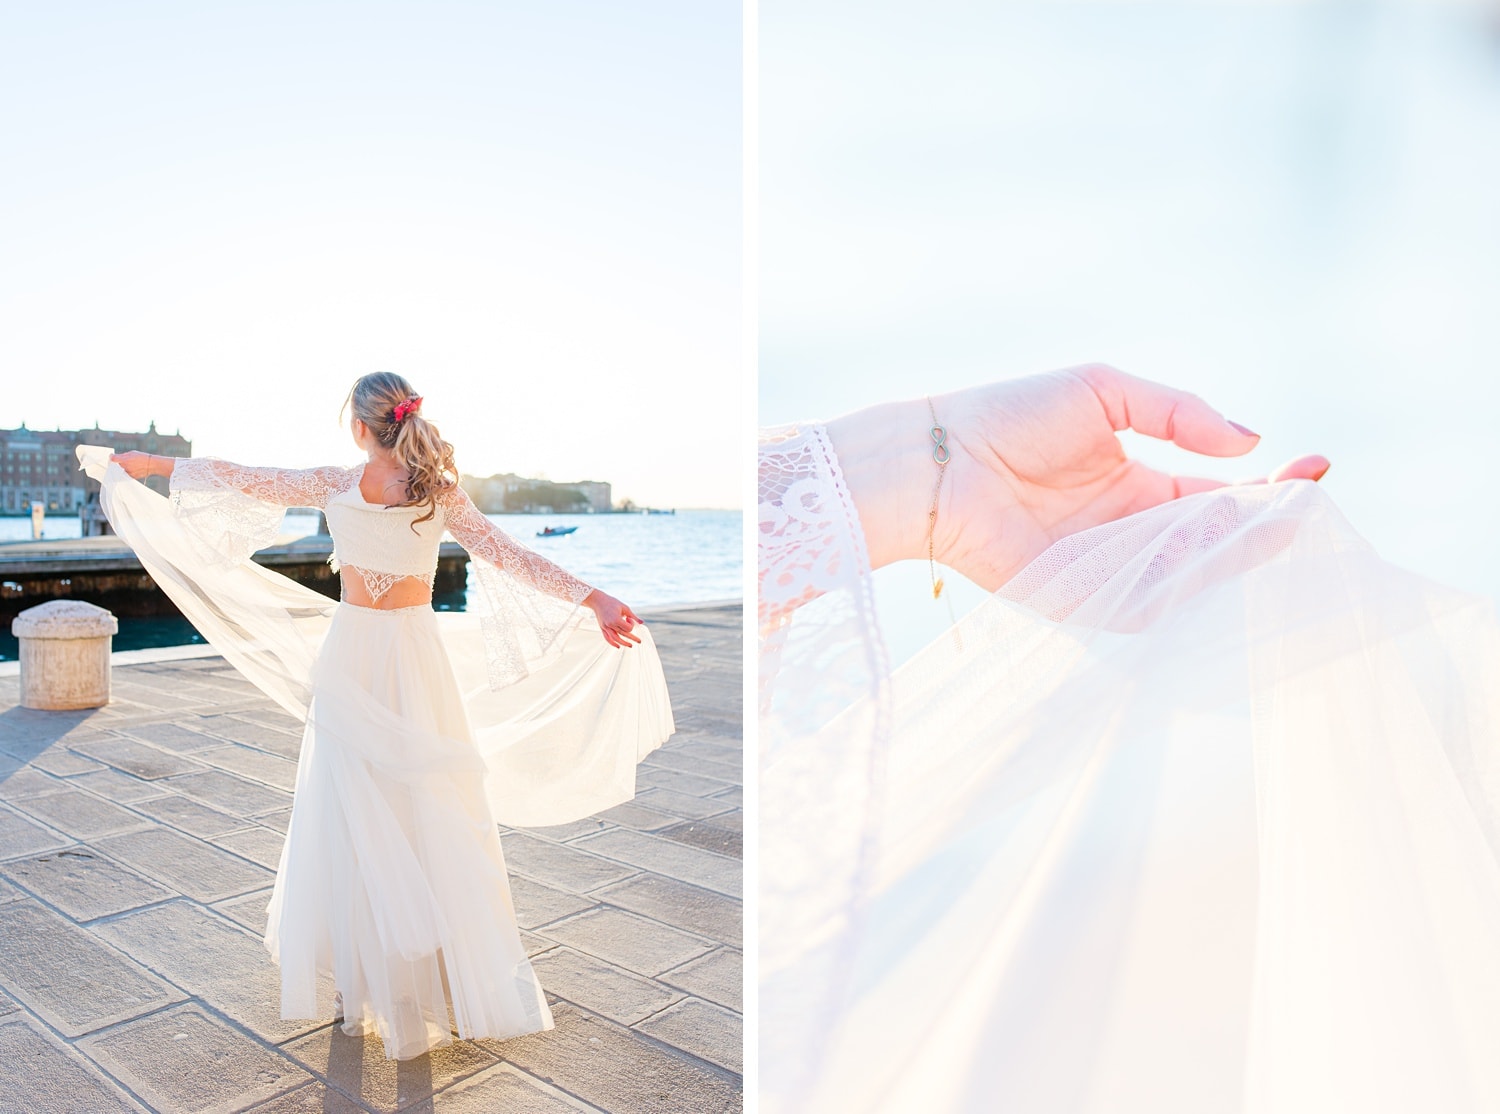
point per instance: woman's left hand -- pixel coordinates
(616, 620)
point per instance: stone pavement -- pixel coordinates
(138, 844)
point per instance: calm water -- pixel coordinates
(645, 560)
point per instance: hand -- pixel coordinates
(615, 619)
(1034, 460)
(138, 466)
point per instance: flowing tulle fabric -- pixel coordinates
(1199, 813)
(392, 878)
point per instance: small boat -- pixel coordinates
(555, 531)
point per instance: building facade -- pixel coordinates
(40, 466)
(513, 494)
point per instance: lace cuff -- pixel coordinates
(824, 735)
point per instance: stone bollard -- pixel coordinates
(64, 654)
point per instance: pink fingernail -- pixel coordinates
(1242, 429)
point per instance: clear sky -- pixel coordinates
(1290, 209)
(218, 215)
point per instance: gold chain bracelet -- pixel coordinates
(941, 455)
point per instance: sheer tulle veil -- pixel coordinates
(1201, 811)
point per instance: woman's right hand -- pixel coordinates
(1033, 460)
(138, 466)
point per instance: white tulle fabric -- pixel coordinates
(1201, 812)
(418, 737)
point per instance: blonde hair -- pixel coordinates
(418, 445)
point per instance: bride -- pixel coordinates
(1199, 811)
(422, 729)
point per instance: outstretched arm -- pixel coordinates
(486, 541)
(288, 487)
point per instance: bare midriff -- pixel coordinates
(409, 591)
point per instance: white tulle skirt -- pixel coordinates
(392, 880)
(1200, 813)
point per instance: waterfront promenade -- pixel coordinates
(138, 844)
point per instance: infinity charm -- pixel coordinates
(940, 451)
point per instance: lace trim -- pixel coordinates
(379, 583)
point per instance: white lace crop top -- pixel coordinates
(376, 542)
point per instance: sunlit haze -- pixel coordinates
(218, 216)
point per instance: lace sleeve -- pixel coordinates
(285, 487)
(824, 733)
(231, 510)
(483, 539)
(525, 602)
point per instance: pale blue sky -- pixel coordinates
(1291, 209)
(219, 215)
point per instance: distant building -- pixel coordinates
(508, 493)
(40, 466)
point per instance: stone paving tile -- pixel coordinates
(718, 976)
(249, 910)
(601, 987)
(677, 903)
(20, 836)
(190, 866)
(706, 836)
(117, 786)
(662, 856)
(537, 904)
(27, 781)
(559, 865)
(81, 815)
(212, 959)
(259, 845)
(633, 942)
(229, 792)
(188, 815)
(264, 736)
(84, 884)
(632, 814)
(314, 1098)
(187, 1060)
(39, 1073)
(135, 758)
(561, 833)
(701, 1028)
(690, 762)
(615, 1070)
(255, 764)
(357, 1067)
(694, 785)
(173, 736)
(504, 1090)
(680, 804)
(69, 978)
(281, 819)
(62, 762)
(735, 795)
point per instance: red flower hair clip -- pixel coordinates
(404, 408)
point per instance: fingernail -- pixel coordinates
(1323, 473)
(1242, 429)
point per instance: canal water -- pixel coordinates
(645, 560)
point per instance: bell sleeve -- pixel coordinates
(525, 602)
(231, 510)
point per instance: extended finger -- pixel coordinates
(1311, 467)
(628, 636)
(1165, 413)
